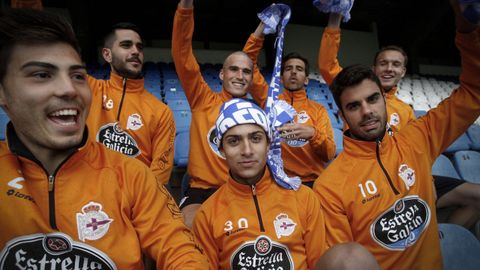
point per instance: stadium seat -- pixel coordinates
(183, 119)
(419, 113)
(325, 104)
(174, 94)
(178, 104)
(467, 164)
(335, 121)
(316, 94)
(460, 144)
(474, 135)
(444, 167)
(338, 136)
(182, 144)
(3, 125)
(460, 249)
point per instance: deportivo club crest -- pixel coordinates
(92, 223)
(262, 253)
(394, 119)
(114, 137)
(302, 117)
(407, 174)
(134, 122)
(284, 226)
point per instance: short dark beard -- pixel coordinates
(295, 89)
(125, 73)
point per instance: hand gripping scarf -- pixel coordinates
(275, 18)
(341, 7)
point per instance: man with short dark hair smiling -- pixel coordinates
(378, 191)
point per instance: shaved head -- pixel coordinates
(228, 60)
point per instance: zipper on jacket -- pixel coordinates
(384, 170)
(51, 194)
(259, 215)
(123, 97)
(51, 201)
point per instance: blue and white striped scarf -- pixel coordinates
(275, 18)
(341, 7)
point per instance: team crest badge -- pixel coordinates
(92, 223)
(302, 117)
(134, 122)
(284, 226)
(407, 174)
(394, 119)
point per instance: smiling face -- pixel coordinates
(294, 75)
(237, 74)
(46, 96)
(126, 54)
(245, 149)
(390, 68)
(364, 110)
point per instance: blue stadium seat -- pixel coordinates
(316, 94)
(460, 144)
(158, 95)
(177, 94)
(216, 86)
(338, 136)
(467, 164)
(183, 119)
(335, 121)
(178, 104)
(182, 145)
(419, 113)
(3, 124)
(325, 104)
(444, 167)
(474, 135)
(460, 248)
(334, 106)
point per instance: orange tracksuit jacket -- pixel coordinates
(399, 113)
(261, 227)
(99, 209)
(380, 194)
(206, 167)
(146, 129)
(304, 159)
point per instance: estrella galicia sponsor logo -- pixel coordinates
(263, 254)
(52, 251)
(115, 138)
(213, 140)
(401, 225)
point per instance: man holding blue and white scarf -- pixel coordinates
(307, 142)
